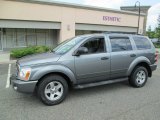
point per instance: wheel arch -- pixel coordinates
(143, 61)
(69, 82)
(60, 70)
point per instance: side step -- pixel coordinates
(100, 83)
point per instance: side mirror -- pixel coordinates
(80, 51)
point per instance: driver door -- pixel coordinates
(95, 65)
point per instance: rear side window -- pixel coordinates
(120, 44)
(142, 43)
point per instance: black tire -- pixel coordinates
(134, 79)
(45, 82)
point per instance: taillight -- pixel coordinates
(156, 56)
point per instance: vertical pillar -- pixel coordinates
(68, 24)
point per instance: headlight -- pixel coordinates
(25, 73)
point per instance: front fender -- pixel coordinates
(136, 62)
(41, 71)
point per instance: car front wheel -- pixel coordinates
(52, 90)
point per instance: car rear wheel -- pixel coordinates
(139, 77)
(52, 90)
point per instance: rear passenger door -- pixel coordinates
(122, 55)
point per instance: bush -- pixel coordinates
(157, 45)
(21, 52)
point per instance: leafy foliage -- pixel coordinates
(156, 32)
(18, 53)
(157, 45)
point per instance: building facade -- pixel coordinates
(143, 9)
(26, 23)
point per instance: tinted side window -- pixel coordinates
(142, 43)
(95, 45)
(120, 44)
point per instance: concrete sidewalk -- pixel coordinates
(5, 58)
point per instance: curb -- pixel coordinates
(8, 62)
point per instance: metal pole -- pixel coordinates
(139, 11)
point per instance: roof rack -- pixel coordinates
(131, 33)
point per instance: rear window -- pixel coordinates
(142, 43)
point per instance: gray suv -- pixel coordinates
(86, 61)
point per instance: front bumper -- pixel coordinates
(22, 86)
(153, 67)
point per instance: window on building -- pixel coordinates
(15, 38)
(9, 38)
(31, 37)
(120, 44)
(95, 45)
(20, 36)
(142, 43)
(41, 36)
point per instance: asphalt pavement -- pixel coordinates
(109, 102)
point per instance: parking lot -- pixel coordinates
(109, 102)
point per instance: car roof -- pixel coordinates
(106, 33)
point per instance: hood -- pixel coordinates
(38, 59)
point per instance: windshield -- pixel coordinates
(67, 45)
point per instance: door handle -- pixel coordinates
(132, 55)
(104, 58)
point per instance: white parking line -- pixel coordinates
(8, 77)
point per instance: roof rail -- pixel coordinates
(131, 33)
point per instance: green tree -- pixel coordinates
(157, 35)
(150, 33)
(158, 21)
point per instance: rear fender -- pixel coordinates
(136, 62)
